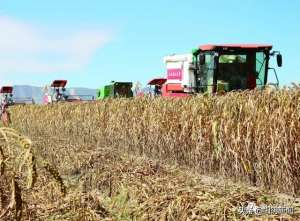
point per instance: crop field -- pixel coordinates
(197, 158)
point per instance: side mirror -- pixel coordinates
(202, 59)
(279, 60)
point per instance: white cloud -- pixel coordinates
(27, 49)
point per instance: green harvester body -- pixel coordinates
(114, 90)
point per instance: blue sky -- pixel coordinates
(92, 42)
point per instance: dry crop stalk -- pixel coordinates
(24, 145)
(181, 131)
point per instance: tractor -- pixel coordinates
(58, 93)
(7, 99)
(115, 90)
(218, 68)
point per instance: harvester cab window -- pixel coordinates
(260, 69)
(207, 73)
(123, 90)
(233, 71)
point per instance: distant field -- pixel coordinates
(251, 137)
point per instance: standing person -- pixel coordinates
(157, 90)
(64, 94)
(58, 95)
(137, 88)
(47, 96)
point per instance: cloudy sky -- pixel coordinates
(93, 42)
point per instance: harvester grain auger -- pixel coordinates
(218, 68)
(58, 93)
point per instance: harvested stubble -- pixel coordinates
(246, 136)
(18, 173)
(106, 184)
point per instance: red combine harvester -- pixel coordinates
(58, 93)
(6, 93)
(6, 100)
(157, 83)
(217, 68)
(165, 90)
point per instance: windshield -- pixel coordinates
(260, 66)
(207, 74)
(123, 90)
(233, 71)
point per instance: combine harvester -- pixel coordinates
(7, 99)
(6, 93)
(115, 90)
(58, 93)
(217, 68)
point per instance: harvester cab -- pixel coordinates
(233, 67)
(156, 86)
(6, 93)
(6, 100)
(58, 93)
(115, 89)
(7, 97)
